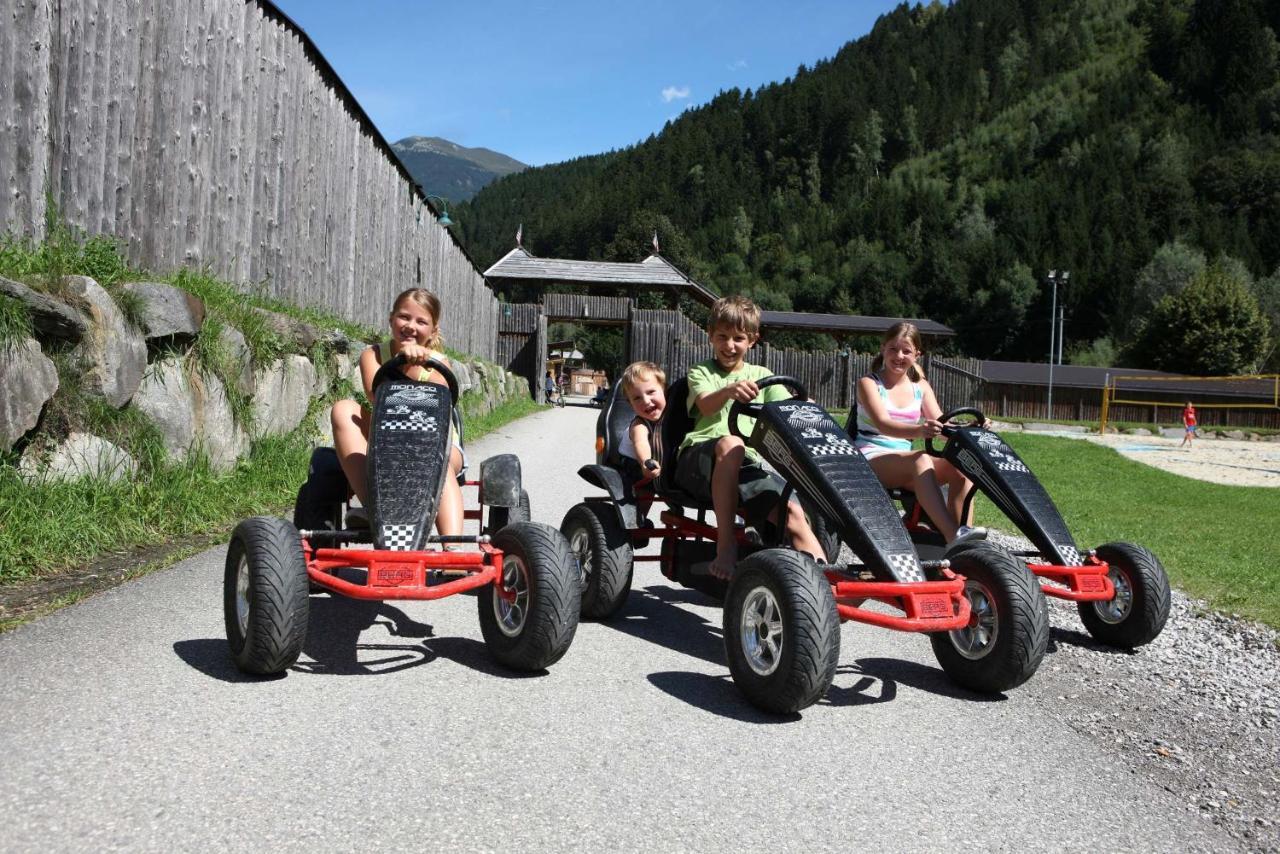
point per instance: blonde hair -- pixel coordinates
(902, 329)
(640, 371)
(429, 303)
(737, 313)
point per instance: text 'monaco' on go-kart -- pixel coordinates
(523, 572)
(985, 616)
(1120, 589)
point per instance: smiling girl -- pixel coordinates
(415, 334)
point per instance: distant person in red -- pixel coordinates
(1188, 424)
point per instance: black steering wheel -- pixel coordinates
(395, 366)
(752, 410)
(949, 429)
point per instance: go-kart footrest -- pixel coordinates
(402, 575)
(1088, 583)
(927, 606)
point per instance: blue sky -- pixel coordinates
(545, 81)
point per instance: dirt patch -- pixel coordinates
(1226, 461)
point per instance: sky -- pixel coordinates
(546, 81)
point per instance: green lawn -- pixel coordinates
(1218, 543)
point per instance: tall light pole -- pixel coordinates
(1053, 325)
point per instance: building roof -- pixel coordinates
(1135, 379)
(854, 324)
(654, 271)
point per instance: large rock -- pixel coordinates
(231, 339)
(27, 380)
(51, 318)
(298, 334)
(222, 440)
(113, 355)
(165, 396)
(463, 374)
(284, 391)
(168, 312)
(79, 455)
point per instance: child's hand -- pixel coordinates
(931, 427)
(652, 470)
(415, 354)
(743, 391)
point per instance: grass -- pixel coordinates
(1215, 541)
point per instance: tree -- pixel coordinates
(1212, 327)
(1169, 271)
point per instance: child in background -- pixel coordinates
(415, 334)
(1188, 425)
(645, 385)
(895, 405)
(713, 464)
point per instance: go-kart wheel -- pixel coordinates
(529, 615)
(602, 551)
(781, 631)
(1141, 604)
(501, 517)
(1008, 632)
(264, 595)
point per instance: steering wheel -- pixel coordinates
(395, 365)
(752, 410)
(949, 429)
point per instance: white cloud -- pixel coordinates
(672, 93)
(737, 65)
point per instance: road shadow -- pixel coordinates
(714, 694)
(866, 689)
(913, 675)
(652, 614)
(212, 657)
(1084, 640)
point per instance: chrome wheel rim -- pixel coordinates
(512, 613)
(242, 596)
(761, 631)
(975, 640)
(580, 545)
(1117, 610)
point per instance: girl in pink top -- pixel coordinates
(896, 405)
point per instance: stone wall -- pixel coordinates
(151, 369)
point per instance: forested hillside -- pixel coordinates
(940, 165)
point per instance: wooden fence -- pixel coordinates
(212, 133)
(587, 308)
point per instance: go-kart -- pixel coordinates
(522, 570)
(1120, 589)
(986, 617)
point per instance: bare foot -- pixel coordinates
(722, 567)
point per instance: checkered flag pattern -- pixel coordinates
(840, 447)
(1011, 465)
(427, 425)
(906, 567)
(1072, 554)
(398, 538)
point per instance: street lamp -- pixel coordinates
(1054, 278)
(443, 216)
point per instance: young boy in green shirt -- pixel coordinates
(715, 465)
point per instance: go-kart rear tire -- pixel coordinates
(602, 551)
(1140, 608)
(318, 506)
(265, 595)
(781, 631)
(535, 629)
(501, 517)
(826, 537)
(1009, 634)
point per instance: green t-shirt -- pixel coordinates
(708, 376)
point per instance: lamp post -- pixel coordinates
(443, 216)
(1054, 278)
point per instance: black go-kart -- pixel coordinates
(1120, 589)
(526, 579)
(985, 615)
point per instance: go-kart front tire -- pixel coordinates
(265, 595)
(1140, 608)
(501, 517)
(604, 556)
(781, 631)
(529, 616)
(1009, 631)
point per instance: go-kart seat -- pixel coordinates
(615, 417)
(676, 424)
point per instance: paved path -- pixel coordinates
(124, 725)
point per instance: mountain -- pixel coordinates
(450, 170)
(942, 164)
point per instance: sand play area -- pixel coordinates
(1235, 463)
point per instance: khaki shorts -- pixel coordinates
(759, 491)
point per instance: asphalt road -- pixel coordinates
(124, 725)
